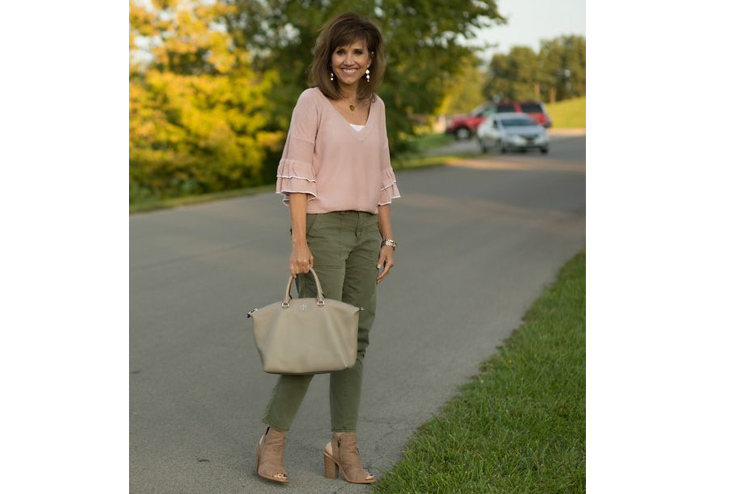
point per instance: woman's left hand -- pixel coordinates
(385, 262)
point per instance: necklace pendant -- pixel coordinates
(352, 107)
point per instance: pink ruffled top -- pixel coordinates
(340, 168)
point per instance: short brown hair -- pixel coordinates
(343, 30)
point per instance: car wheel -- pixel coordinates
(483, 147)
(544, 150)
(462, 134)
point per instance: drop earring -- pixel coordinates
(367, 75)
(331, 76)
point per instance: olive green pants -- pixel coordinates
(345, 246)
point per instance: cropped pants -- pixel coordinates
(345, 246)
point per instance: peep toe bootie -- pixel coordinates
(269, 456)
(341, 453)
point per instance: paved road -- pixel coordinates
(478, 242)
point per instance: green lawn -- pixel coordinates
(142, 207)
(520, 426)
(568, 114)
(430, 141)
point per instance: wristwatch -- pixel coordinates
(391, 243)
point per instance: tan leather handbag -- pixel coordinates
(306, 335)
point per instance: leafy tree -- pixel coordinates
(197, 112)
(497, 83)
(551, 55)
(564, 67)
(575, 66)
(466, 89)
(558, 69)
(526, 71)
(515, 76)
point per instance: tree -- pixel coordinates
(526, 73)
(197, 112)
(575, 62)
(466, 90)
(498, 82)
(515, 76)
(551, 56)
(564, 62)
(559, 68)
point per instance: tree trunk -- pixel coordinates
(552, 94)
(536, 90)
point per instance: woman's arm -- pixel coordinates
(386, 257)
(301, 258)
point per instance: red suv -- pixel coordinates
(464, 126)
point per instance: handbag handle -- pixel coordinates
(319, 294)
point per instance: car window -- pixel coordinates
(518, 122)
(490, 111)
(531, 108)
(505, 108)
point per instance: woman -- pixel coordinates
(336, 177)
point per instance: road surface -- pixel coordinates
(478, 242)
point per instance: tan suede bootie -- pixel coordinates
(342, 453)
(269, 456)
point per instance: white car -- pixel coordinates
(507, 131)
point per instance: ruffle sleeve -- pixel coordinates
(389, 190)
(295, 171)
(295, 177)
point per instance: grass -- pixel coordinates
(569, 114)
(142, 207)
(431, 141)
(520, 426)
(401, 164)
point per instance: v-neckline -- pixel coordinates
(362, 133)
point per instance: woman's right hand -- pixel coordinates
(301, 259)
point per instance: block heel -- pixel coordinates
(331, 470)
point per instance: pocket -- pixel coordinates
(324, 240)
(311, 222)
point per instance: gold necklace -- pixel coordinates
(352, 106)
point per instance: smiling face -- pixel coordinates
(349, 64)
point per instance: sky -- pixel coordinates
(529, 21)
